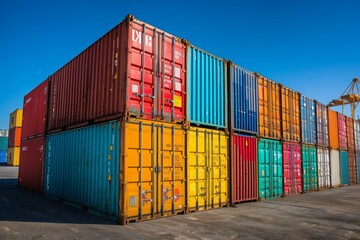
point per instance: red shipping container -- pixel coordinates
(34, 112)
(350, 134)
(244, 180)
(14, 137)
(135, 69)
(292, 168)
(342, 132)
(31, 164)
(352, 167)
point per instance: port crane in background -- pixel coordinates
(351, 96)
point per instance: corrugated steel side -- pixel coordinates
(357, 135)
(358, 166)
(87, 172)
(244, 171)
(16, 118)
(243, 99)
(342, 132)
(335, 167)
(309, 163)
(270, 169)
(269, 108)
(333, 129)
(352, 167)
(32, 164)
(323, 162)
(308, 120)
(4, 143)
(292, 168)
(350, 134)
(322, 126)
(14, 137)
(207, 89)
(290, 115)
(207, 169)
(34, 111)
(3, 156)
(13, 156)
(344, 168)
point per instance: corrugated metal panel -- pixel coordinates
(13, 156)
(4, 143)
(357, 135)
(16, 118)
(308, 120)
(358, 166)
(34, 113)
(207, 88)
(323, 167)
(244, 177)
(14, 137)
(292, 168)
(3, 156)
(4, 133)
(342, 132)
(352, 167)
(269, 108)
(333, 129)
(335, 167)
(344, 168)
(243, 100)
(290, 115)
(322, 125)
(309, 162)
(350, 134)
(87, 172)
(32, 164)
(270, 169)
(207, 169)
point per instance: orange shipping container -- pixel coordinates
(333, 129)
(269, 108)
(14, 137)
(290, 115)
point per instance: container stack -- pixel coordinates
(3, 146)
(334, 148)
(357, 148)
(344, 153)
(15, 128)
(351, 149)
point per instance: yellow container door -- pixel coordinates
(16, 118)
(13, 157)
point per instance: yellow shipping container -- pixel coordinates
(152, 170)
(207, 169)
(16, 118)
(13, 157)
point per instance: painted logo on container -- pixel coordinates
(137, 37)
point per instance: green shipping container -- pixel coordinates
(3, 143)
(310, 176)
(270, 169)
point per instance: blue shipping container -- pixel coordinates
(3, 156)
(308, 120)
(243, 100)
(358, 166)
(82, 167)
(207, 89)
(344, 168)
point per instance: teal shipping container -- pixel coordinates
(270, 169)
(309, 162)
(344, 168)
(207, 89)
(3, 143)
(358, 166)
(82, 168)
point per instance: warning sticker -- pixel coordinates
(135, 88)
(177, 101)
(177, 72)
(177, 86)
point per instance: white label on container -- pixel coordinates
(177, 86)
(135, 88)
(28, 100)
(177, 72)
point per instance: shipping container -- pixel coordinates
(322, 126)
(350, 134)
(3, 156)
(323, 163)
(292, 168)
(352, 167)
(4, 133)
(335, 167)
(32, 164)
(135, 69)
(310, 172)
(270, 169)
(150, 156)
(244, 171)
(14, 137)
(344, 168)
(34, 112)
(269, 108)
(333, 129)
(290, 115)
(4, 143)
(16, 118)
(207, 169)
(308, 120)
(243, 99)
(207, 88)
(342, 132)
(358, 166)
(357, 134)
(13, 156)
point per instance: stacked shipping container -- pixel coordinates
(15, 127)
(334, 148)
(357, 148)
(3, 146)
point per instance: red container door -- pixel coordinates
(31, 164)
(244, 168)
(342, 132)
(292, 169)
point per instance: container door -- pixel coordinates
(335, 167)
(352, 167)
(344, 168)
(292, 169)
(358, 166)
(323, 168)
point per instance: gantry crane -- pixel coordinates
(351, 96)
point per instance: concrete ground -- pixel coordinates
(330, 214)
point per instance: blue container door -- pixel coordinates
(344, 168)
(358, 166)
(3, 155)
(308, 120)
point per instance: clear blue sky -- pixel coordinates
(310, 46)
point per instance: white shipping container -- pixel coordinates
(357, 135)
(335, 167)
(323, 167)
